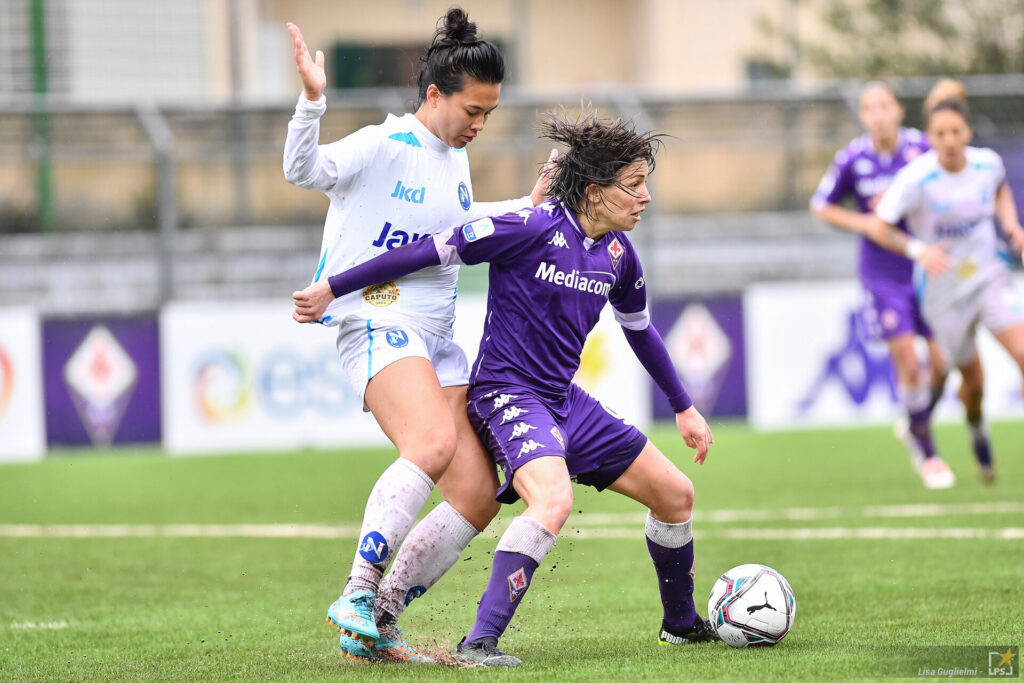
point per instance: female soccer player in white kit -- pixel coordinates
(949, 197)
(388, 185)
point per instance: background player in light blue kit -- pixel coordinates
(552, 270)
(389, 184)
(863, 170)
(950, 198)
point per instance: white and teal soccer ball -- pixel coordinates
(751, 606)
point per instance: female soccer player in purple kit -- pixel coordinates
(864, 169)
(552, 270)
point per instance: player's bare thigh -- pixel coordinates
(544, 485)
(653, 480)
(471, 480)
(904, 357)
(410, 407)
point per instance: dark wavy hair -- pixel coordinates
(597, 152)
(949, 104)
(456, 54)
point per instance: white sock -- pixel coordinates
(430, 550)
(395, 501)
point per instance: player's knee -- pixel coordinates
(433, 450)
(674, 502)
(554, 506)
(479, 507)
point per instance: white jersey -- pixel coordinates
(388, 185)
(957, 208)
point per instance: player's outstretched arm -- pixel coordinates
(311, 302)
(1006, 212)
(932, 257)
(311, 70)
(842, 218)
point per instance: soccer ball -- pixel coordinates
(751, 606)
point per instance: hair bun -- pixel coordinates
(457, 29)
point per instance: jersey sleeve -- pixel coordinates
(494, 239)
(836, 184)
(628, 296)
(902, 197)
(330, 167)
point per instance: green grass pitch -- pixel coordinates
(878, 564)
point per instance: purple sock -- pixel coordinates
(921, 429)
(510, 577)
(982, 451)
(675, 581)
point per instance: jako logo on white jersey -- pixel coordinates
(399, 238)
(558, 240)
(520, 429)
(529, 447)
(573, 279)
(408, 194)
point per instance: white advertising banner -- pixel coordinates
(812, 361)
(247, 377)
(22, 430)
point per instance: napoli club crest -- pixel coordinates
(464, 199)
(615, 251)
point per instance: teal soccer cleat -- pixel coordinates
(353, 648)
(392, 647)
(353, 615)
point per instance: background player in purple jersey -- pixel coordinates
(863, 170)
(552, 270)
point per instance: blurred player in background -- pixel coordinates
(388, 185)
(949, 197)
(863, 170)
(552, 270)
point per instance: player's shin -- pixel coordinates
(430, 550)
(917, 401)
(671, 548)
(395, 501)
(521, 549)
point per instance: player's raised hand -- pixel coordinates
(311, 70)
(540, 190)
(311, 302)
(695, 432)
(934, 259)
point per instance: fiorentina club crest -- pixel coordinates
(516, 584)
(701, 351)
(615, 250)
(101, 377)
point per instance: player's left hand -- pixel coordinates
(540, 190)
(311, 302)
(695, 432)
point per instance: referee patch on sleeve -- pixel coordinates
(477, 230)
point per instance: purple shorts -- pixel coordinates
(517, 426)
(893, 310)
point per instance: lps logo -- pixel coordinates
(465, 201)
(1001, 663)
(408, 194)
(374, 548)
(397, 338)
(413, 593)
(6, 380)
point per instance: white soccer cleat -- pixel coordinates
(936, 473)
(901, 430)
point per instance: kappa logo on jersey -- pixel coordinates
(512, 413)
(381, 295)
(524, 214)
(517, 584)
(408, 194)
(616, 251)
(398, 238)
(529, 447)
(548, 206)
(374, 548)
(503, 400)
(559, 240)
(558, 436)
(465, 201)
(477, 230)
(520, 429)
(397, 338)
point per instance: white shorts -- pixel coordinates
(996, 306)
(368, 346)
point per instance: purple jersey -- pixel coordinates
(548, 284)
(861, 171)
